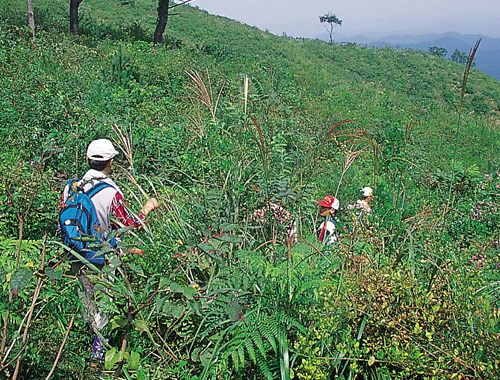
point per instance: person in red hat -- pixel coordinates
(328, 209)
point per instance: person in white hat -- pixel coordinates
(363, 205)
(328, 209)
(109, 204)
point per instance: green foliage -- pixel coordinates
(19, 279)
(331, 20)
(438, 51)
(408, 292)
(459, 57)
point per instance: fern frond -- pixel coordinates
(259, 89)
(250, 349)
(234, 356)
(269, 332)
(241, 353)
(288, 321)
(262, 364)
(259, 343)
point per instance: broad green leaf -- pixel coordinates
(228, 227)
(110, 359)
(176, 288)
(108, 269)
(195, 354)
(177, 311)
(159, 302)
(133, 361)
(164, 282)
(206, 247)
(210, 250)
(141, 325)
(118, 321)
(205, 357)
(19, 280)
(115, 262)
(371, 360)
(119, 356)
(167, 308)
(52, 274)
(189, 292)
(195, 306)
(86, 239)
(136, 269)
(229, 239)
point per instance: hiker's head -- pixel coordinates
(367, 193)
(329, 205)
(99, 165)
(100, 154)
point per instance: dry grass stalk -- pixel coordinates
(373, 147)
(333, 133)
(124, 142)
(200, 92)
(409, 127)
(348, 160)
(199, 124)
(468, 65)
(338, 124)
(260, 141)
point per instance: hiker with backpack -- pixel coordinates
(92, 207)
(106, 198)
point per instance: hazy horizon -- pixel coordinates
(363, 17)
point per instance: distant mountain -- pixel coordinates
(487, 57)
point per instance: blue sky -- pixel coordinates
(367, 17)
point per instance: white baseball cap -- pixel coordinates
(101, 150)
(367, 192)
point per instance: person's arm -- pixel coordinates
(149, 206)
(120, 212)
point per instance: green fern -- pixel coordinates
(252, 340)
(259, 89)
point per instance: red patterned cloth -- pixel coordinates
(278, 213)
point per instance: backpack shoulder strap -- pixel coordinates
(72, 184)
(101, 185)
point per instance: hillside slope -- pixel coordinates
(307, 80)
(238, 133)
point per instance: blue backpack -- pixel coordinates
(78, 220)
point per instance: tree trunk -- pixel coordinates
(161, 22)
(74, 23)
(31, 18)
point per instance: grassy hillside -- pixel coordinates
(408, 292)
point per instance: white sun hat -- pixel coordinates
(367, 191)
(101, 150)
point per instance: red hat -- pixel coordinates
(330, 201)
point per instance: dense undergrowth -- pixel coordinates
(216, 294)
